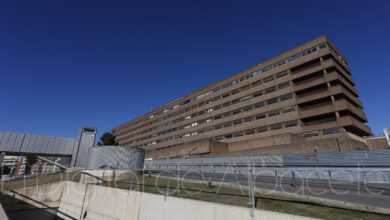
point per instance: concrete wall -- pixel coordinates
(110, 203)
(41, 196)
(377, 143)
(109, 175)
(295, 143)
(261, 142)
(195, 148)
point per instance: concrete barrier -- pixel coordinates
(108, 175)
(41, 196)
(81, 201)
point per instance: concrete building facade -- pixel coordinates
(305, 95)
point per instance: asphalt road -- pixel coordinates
(377, 195)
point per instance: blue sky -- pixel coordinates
(66, 63)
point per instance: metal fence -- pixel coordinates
(357, 166)
(115, 157)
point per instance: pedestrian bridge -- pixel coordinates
(12, 143)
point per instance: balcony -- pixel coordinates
(352, 123)
(339, 105)
(323, 65)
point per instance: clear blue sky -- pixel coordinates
(70, 63)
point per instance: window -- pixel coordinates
(225, 95)
(227, 124)
(331, 131)
(276, 126)
(209, 120)
(187, 117)
(235, 91)
(270, 89)
(259, 93)
(237, 122)
(291, 123)
(228, 136)
(247, 108)
(260, 116)
(310, 134)
(226, 104)
(246, 98)
(248, 119)
(218, 138)
(194, 124)
(285, 97)
(235, 101)
(273, 113)
(245, 87)
(258, 82)
(217, 107)
(238, 134)
(236, 111)
(288, 109)
(217, 117)
(281, 74)
(284, 85)
(250, 131)
(269, 78)
(259, 104)
(272, 101)
(262, 129)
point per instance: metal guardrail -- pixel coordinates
(358, 166)
(378, 158)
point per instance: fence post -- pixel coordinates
(104, 172)
(166, 194)
(251, 193)
(365, 177)
(293, 182)
(179, 178)
(48, 183)
(235, 174)
(131, 182)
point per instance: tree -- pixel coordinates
(107, 139)
(30, 161)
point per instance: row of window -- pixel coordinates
(217, 107)
(241, 89)
(265, 69)
(324, 132)
(260, 129)
(224, 115)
